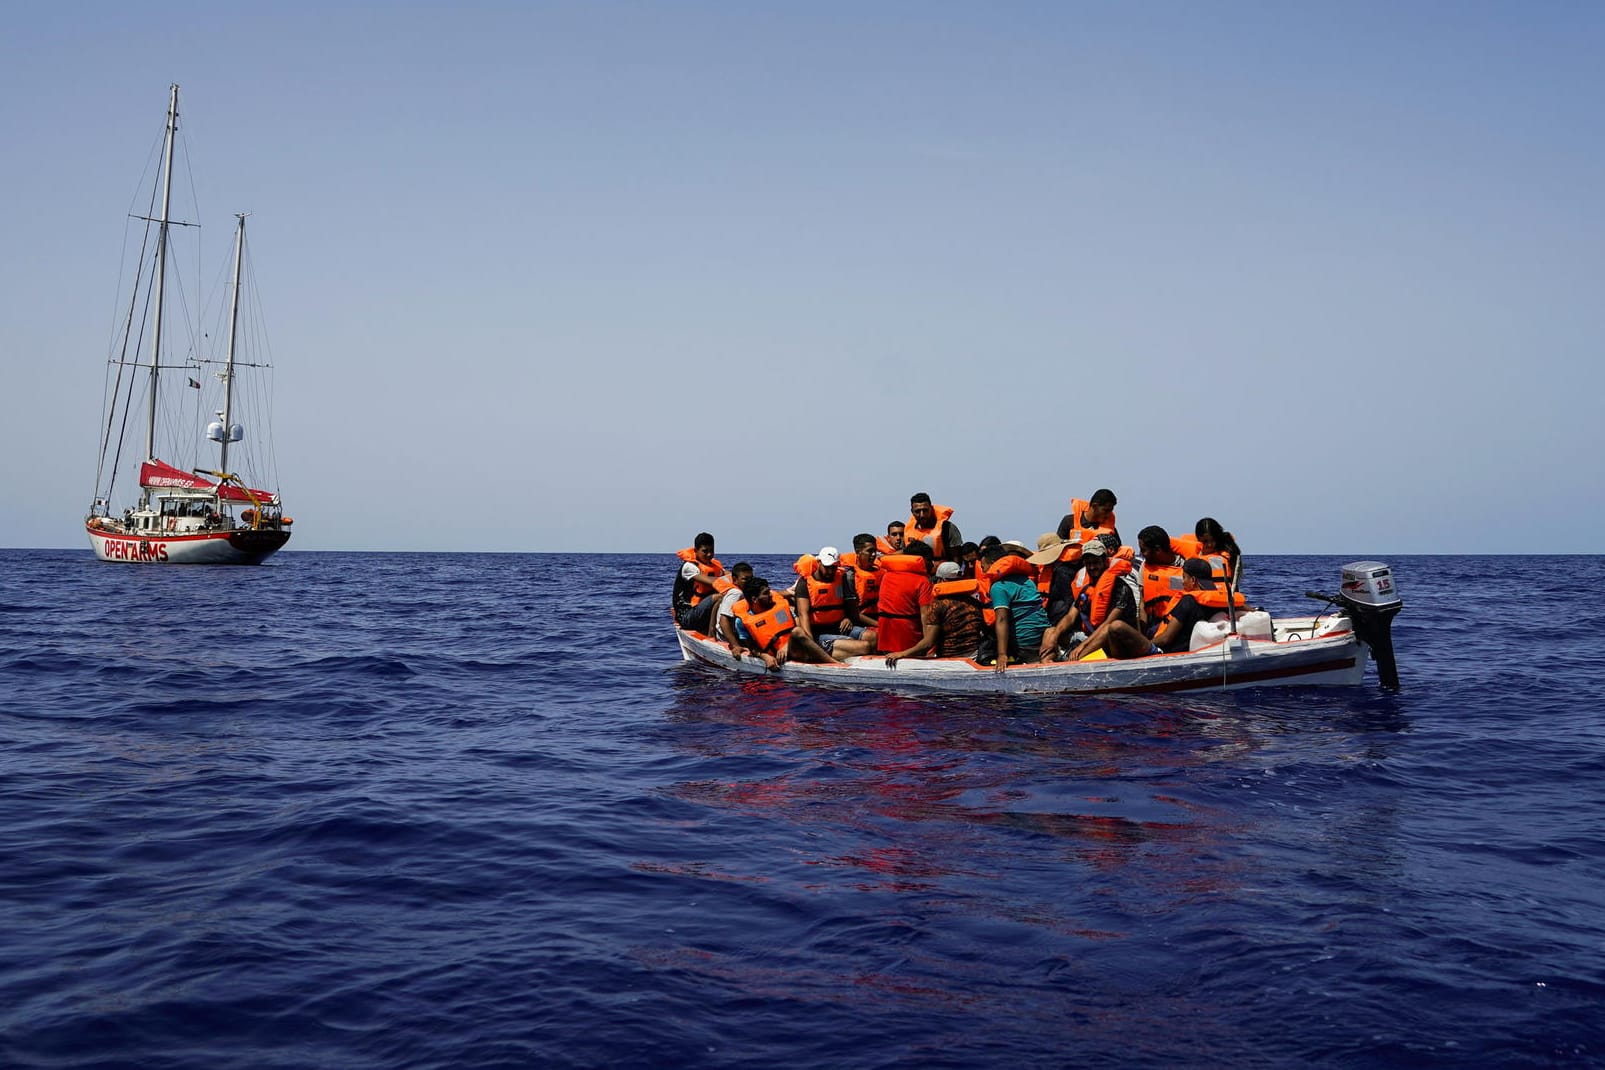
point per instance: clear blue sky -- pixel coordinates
(596, 276)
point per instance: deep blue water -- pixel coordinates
(450, 810)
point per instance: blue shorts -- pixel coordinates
(828, 640)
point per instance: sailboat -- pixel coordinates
(178, 516)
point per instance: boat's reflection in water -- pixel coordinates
(915, 788)
(1053, 867)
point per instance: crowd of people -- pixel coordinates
(922, 591)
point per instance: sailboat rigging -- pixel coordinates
(200, 515)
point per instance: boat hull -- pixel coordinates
(238, 546)
(1236, 662)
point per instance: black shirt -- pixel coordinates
(1189, 612)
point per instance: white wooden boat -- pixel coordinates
(196, 515)
(1324, 650)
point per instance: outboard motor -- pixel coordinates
(1371, 602)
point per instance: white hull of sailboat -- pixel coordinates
(239, 546)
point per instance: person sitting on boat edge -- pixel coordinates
(826, 602)
(933, 525)
(697, 578)
(905, 602)
(1019, 620)
(771, 628)
(731, 630)
(1086, 519)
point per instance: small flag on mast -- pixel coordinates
(193, 383)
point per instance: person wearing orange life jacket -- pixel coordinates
(1160, 575)
(1217, 543)
(1019, 621)
(1201, 599)
(906, 619)
(769, 627)
(893, 541)
(865, 577)
(933, 525)
(694, 583)
(1090, 518)
(1108, 592)
(729, 626)
(1058, 563)
(826, 603)
(957, 611)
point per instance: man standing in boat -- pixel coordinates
(933, 525)
(1088, 519)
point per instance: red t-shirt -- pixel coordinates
(902, 595)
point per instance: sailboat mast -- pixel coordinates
(233, 334)
(161, 276)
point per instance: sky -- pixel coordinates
(593, 277)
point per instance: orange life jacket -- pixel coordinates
(932, 535)
(1220, 565)
(1216, 599)
(1007, 565)
(947, 587)
(1069, 555)
(768, 629)
(885, 547)
(1095, 598)
(867, 584)
(901, 563)
(827, 600)
(1010, 565)
(1161, 588)
(1186, 545)
(1080, 533)
(700, 589)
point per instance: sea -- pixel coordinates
(472, 810)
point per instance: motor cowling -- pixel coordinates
(1370, 598)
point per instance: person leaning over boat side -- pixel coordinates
(1019, 620)
(1086, 519)
(730, 626)
(771, 628)
(892, 543)
(696, 580)
(826, 602)
(865, 576)
(933, 525)
(906, 596)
